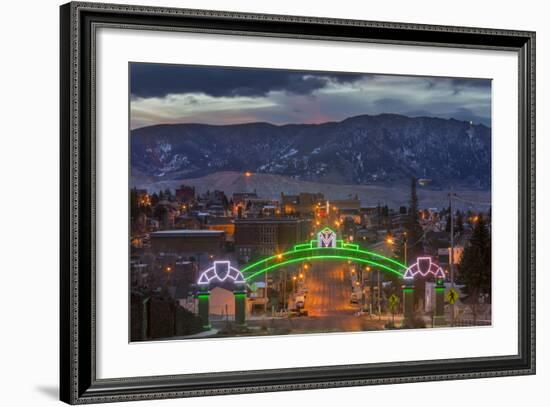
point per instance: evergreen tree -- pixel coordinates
(159, 213)
(415, 245)
(475, 265)
(399, 255)
(225, 203)
(448, 224)
(154, 199)
(459, 223)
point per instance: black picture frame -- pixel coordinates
(78, 382)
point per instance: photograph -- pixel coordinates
(274, 200)
(268, 202)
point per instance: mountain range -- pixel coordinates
(384, 150)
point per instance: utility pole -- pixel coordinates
(404, 262)
(405, 248)
(379, 308)
(371, 292)
(265, 293)
(284, 290)
(452, 252)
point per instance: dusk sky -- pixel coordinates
(162, 93)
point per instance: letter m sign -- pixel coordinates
(326, 238)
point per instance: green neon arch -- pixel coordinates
(310, 252)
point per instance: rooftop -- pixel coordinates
(186, 233)
(268, 220)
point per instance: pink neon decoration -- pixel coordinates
(424, 266)
(221, 271)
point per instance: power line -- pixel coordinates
(458, 198)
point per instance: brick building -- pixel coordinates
(258, 237)
(188, 242)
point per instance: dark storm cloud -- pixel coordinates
(461, 85)
(471, 83)
(159, 80)
(221, 95)
(390, 104)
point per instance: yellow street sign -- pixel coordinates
(452, 296)
(393, 300)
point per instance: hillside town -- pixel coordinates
(177, 234)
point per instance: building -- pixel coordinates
(303, 203)
(187, 222)
(351, 206)
(243, 197)
(188, 242)
(223, 223)
(185, 193)
(256, 237)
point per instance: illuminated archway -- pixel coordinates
(326, 247)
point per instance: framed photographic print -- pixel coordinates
(257, 203)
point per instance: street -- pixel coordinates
(329, 291)
(327, 303)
